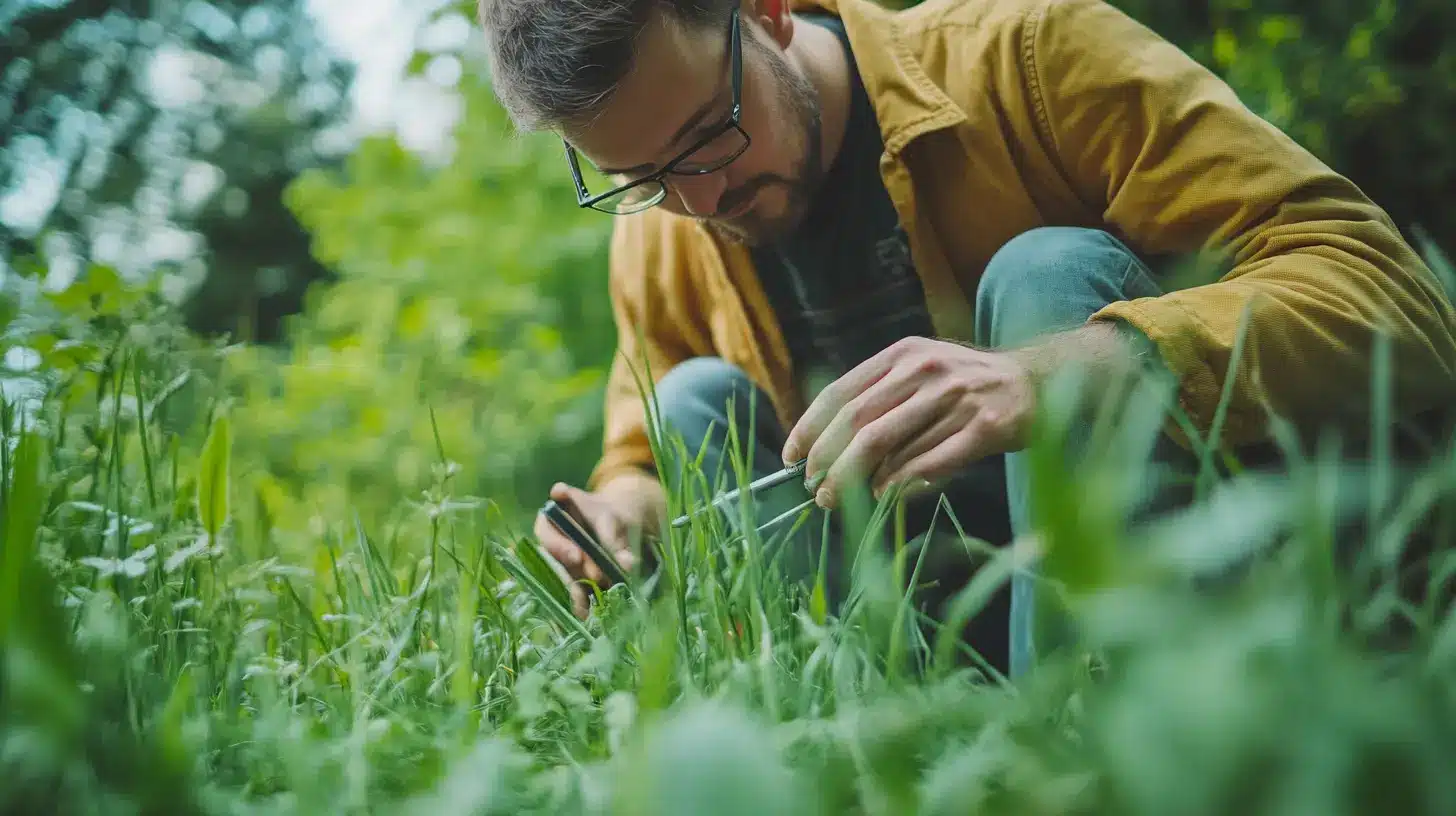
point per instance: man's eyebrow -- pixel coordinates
(693, 122)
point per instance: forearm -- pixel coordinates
(1105, 352)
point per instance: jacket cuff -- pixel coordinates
(1176, 335)
(628, 459)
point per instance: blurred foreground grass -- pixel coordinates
(165, 652)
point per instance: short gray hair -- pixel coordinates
(555, 62)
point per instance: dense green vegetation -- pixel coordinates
(167, 650)
(296, 578)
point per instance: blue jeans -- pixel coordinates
(1043, 281)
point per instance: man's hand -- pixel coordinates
(611, 528)
(617, 513)
(923, 409)
(920, 409)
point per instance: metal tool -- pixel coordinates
(788, 474)
(564, 517)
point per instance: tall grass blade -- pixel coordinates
(213, 468)
(549, 593)
(1437, 259)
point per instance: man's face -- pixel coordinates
(678, 91)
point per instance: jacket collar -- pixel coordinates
(907, 103)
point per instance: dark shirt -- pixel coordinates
(843, 285)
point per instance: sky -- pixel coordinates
(379, 36)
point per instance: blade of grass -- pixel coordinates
(1212, 445)
(144, 435)
(549, 601)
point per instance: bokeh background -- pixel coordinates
(324, 205)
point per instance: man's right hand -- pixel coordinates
(612, 527)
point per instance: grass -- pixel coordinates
(164, 653)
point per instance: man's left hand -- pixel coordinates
(920, 409)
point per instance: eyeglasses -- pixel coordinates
(710, 154)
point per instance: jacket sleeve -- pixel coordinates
(1177, 164)
(658, 326)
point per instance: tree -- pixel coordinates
(159, 136)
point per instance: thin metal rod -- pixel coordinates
(780, 517)
(788, 474)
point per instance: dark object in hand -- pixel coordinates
(579, 531)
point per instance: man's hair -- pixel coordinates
(555, 62)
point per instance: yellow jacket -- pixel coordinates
(1000, 116)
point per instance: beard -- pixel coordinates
(801, 101)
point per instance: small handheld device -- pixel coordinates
(581, 534)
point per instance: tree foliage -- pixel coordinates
(158, 135)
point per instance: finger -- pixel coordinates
(591, 572)
(626, 558)
(573, 498)
(611, 532)
(584, 507)
(561, 491)
(834, 396)
(877, 440)
(859, 413)
(942, 462)
(945, 424)
(558, 546)
(580, 603)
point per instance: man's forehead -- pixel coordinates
(678, 79)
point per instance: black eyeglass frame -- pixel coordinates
(585, 199)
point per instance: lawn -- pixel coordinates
(167, 651)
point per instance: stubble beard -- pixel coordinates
(752, 229)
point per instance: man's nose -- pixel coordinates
(699, 194)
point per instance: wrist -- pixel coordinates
(1099, 348)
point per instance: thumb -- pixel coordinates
(562, 491)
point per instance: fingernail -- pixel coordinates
(821, 498)
(791, 454)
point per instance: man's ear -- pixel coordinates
(775, 18)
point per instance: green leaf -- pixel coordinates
(8, 311)
(532, 559)
(549, 591)
(22, 509)
(40, 678)
(173, 744)
(417, 62)
(29, 267)
(212, 476)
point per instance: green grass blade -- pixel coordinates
(1437, 259)
(547, 589)
(213, 476)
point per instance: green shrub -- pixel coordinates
(472, 292)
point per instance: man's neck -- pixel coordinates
(820, 55)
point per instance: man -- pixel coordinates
(934, 211)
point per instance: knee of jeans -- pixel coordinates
(698, 389)
(1039, 278)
